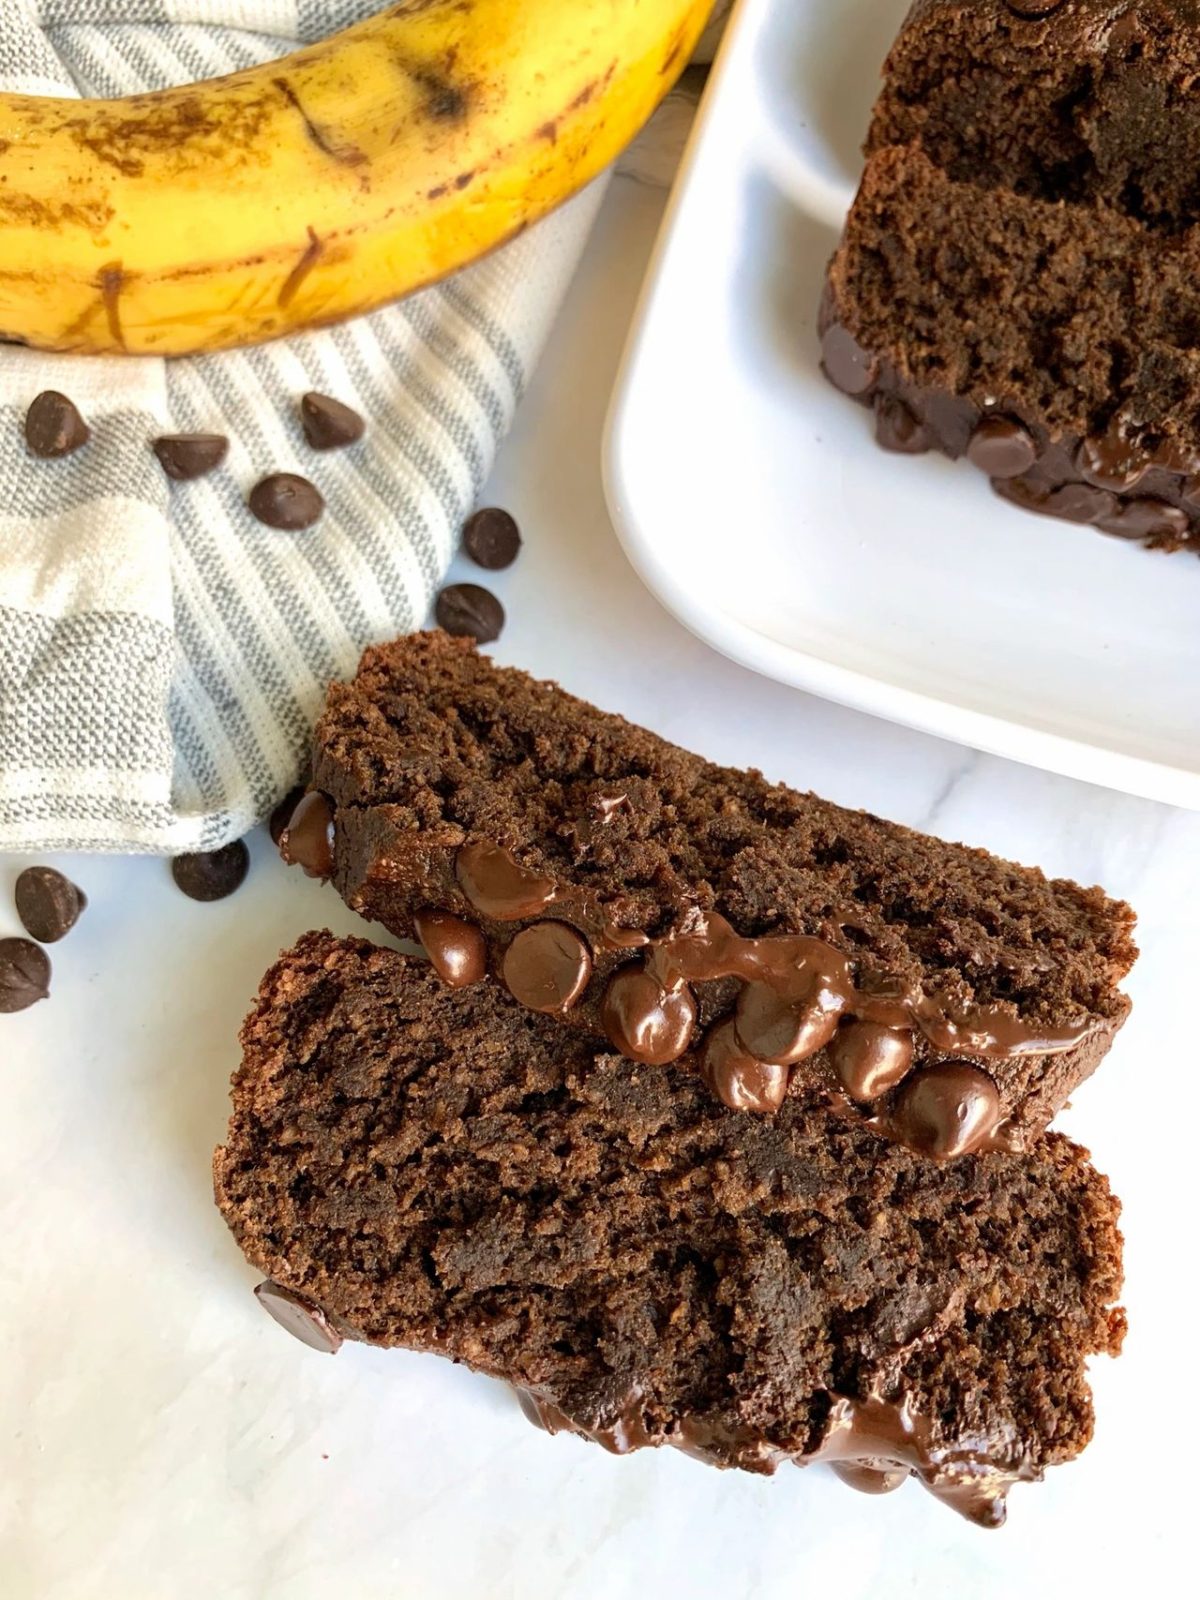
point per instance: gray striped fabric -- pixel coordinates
(162, 655)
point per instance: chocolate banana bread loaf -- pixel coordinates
(1019, 278)
(948, 999)
(443, 1169)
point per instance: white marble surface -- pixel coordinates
(162, 1437)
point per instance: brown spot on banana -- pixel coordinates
(672, 61)
(345, 155)
(549, 131)
(110, 283)
(308, 260)
(445, 100)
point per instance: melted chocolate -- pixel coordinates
(1002, 448)
(738, 1079)
(799, 995)
(868, 1478)
(947, 1109)
(456, 948)
(307, 841)
(870, 1060)
(847, 365)
(547, 966)
(498, 886)
(302, 1318)
(873, 1444)
(645, 1021)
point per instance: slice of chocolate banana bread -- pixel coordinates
(637, 891)
(1019, 278)
(416, 1165)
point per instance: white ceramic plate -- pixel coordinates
(753, 501)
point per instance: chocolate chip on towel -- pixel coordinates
(184, 456)
(327, 423)
(53, 426)
(286, 500)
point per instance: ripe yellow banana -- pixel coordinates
(323, 185)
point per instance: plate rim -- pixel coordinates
(1089, 761)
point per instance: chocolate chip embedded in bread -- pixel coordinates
(302, 1318)
(1002, 448)
(847, 365)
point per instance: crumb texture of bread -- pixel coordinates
(443, 1170)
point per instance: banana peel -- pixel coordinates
(323, 185)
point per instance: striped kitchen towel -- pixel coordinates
(162, 655)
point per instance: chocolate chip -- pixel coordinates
(776, 1028)
(1002, 448)
(329, 424)
(643, 1020)
(53, 426)
(184, 456)
(1147, 519)
(47, 903)
(24, 974)
(547, 967)
(307, 840)
(282, 813)
(870, 1478)
(847, 365)
(1112, 461)
(212, 874)
(469, 611)
(1073, 502)
(491, 538)
(286, 500)
(302, 1318)
(870, 1059)
(897, 429)
(456, 949)
(1034, 10)
(947, 1109)
(739, 1080)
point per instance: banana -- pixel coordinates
(323, 185)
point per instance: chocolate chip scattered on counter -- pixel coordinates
(53, 426)
(286, 500)
(48, 904)
(491, 538)
(212, 874)
(470, 611)
(302, 1318)
(184, 456)
(327, 423)
(24, 974)
(282, 813)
